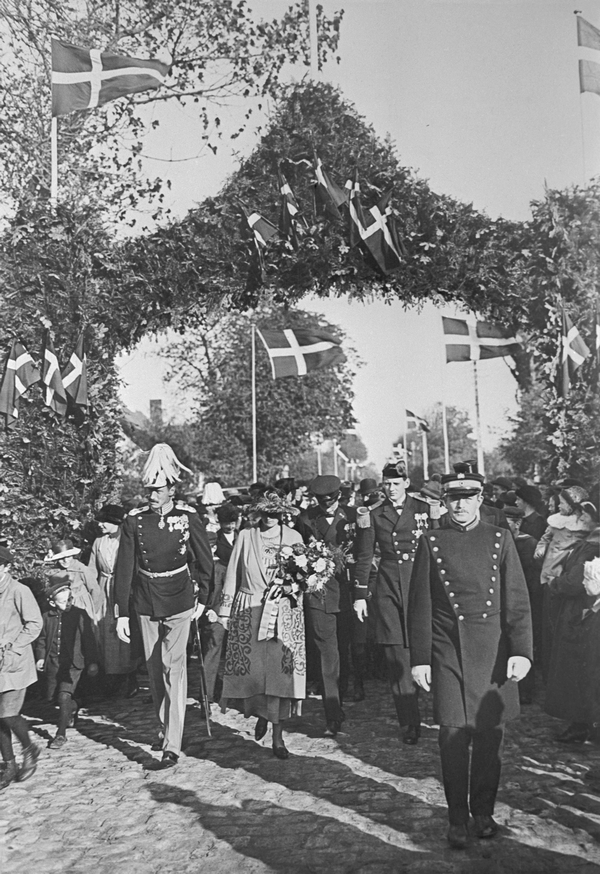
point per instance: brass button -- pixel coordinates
(497, 545)
(439, 560)
(442, 571)
(446, 583)
(432, 538)
(493, 579)
(494, 556)
(451, 594)
(488, 603)
(485, 615)
(491, 591)
(436, 549)
(461, 618)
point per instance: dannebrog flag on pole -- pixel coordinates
(588, 37)
(472, 341)
(298, 351)
(86, 78)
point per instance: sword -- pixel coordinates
(203, 686)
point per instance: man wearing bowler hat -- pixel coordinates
(469, 626)
(329, 617)
(395, 525)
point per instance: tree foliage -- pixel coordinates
(219, 53)
(214, 364)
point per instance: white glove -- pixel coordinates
(518, 668)
(360, 608)
(421, 674)
(224, 620)
(198, 611)
(212, 616)
(123, 632)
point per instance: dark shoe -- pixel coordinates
(169, 760)
(332, 729)
(359, 691)
(485, 826)
(9, 775)
(458, 837)
(57, 742)
(281, 752)
(575, 734)
(29, 764)
(260, 729)
(411, 735)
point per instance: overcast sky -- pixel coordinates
(481, 98)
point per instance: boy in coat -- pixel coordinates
(469, 624)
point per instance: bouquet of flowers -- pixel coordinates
(307, 566)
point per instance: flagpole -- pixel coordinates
(254, 464)
(446, 441)
(314, 39)
(405, 440)
(581, 120)
(480, 464)
(54, 162)
(425, 456)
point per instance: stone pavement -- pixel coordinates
(362, 802)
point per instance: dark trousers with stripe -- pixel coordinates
(475, 792)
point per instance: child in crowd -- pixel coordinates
(64, 648)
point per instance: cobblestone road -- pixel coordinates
(362, 802)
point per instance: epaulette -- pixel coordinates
(137, 510)
(181, 506)
(418, 497)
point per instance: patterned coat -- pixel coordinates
(468, 613)
(257, 665)
(162, 545)
(397, 537)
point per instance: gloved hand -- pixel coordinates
(421, 674)
(123, 632)
(518, 668)
(360, 608)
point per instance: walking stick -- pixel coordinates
(203, 686)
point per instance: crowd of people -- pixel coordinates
(457, 588)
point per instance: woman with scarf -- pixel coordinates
(265, 664)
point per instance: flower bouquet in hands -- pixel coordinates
(307, 567)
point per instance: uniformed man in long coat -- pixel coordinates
(329, 617)
(395, 525)
(158, 543)
(470, 637)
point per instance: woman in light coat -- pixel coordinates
(265, 664)
(20, 625)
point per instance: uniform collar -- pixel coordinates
(166, 509)
(468, 527)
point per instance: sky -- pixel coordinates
(481, 98)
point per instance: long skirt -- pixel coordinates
(265, 678)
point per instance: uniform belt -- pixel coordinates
(172, 573)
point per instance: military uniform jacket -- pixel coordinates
(314, 524)
(397, 536)
(168, 549)
(468, 613)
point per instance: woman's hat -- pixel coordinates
(56, 583)
(112, 513)
(432, 489)
(212, 494)
(61, 549)
(531, 495)
(366, 486)
(273, 504)
(512, 512)
(574, 496)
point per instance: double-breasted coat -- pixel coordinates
(336, 531)
(152, 562)
(468, 614)
(397, 535)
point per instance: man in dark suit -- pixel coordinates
(329, 617)
(395, 525)
(158, 542)
(469, 624)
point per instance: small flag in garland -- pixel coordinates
(74, 378)
(20, 373)
(572, 353)
(263, 232)
(86, 78)
(329, 195)
(56, 396)
(295, 352)
(289, 212)
(371, 228)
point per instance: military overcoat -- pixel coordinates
(397, 535)
(468, 613)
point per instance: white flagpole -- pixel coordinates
(480, 464)
(54, 162)
(446, 441)
(425, 456)
(254, 463)
(405, 440)
(314, 39)
(335, 458)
